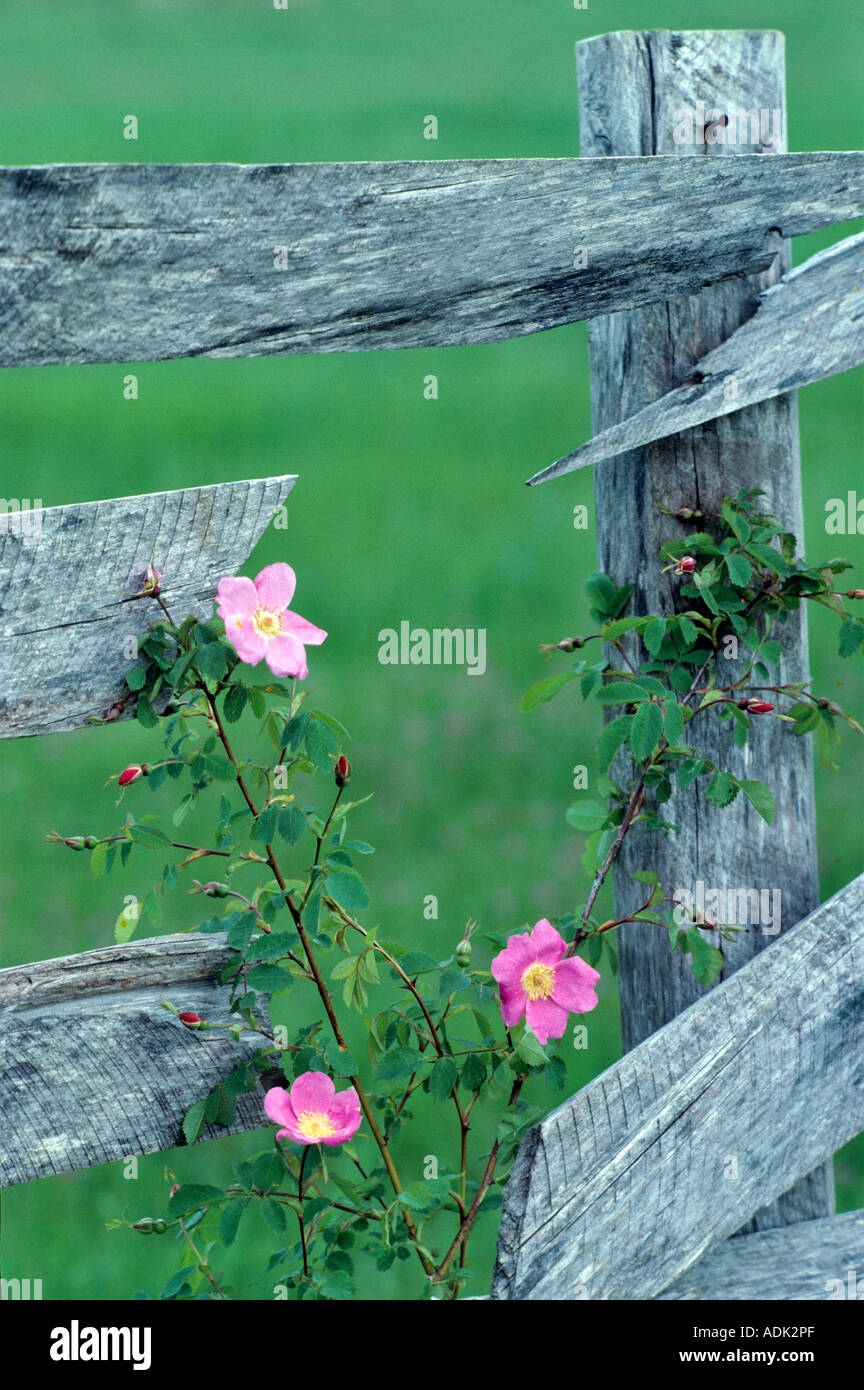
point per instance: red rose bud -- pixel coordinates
(76, 842)
(191, 1020)
(855, 593)
(132, 773)
(686, 565)
(341, 770)
(758, 706)
(114, 712)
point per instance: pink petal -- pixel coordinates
(277, 1103)
(574, 985)
(344, 1108)
(345, 1131)
(286, 656)
(314, 1090)
(549, 945)
(294, 1134)
(236, 598)
(275, 586)
(513, 1001)
(247, 641)
(546, 1019)
(510, 964)
(308, 633)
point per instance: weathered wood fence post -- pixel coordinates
(634, 91)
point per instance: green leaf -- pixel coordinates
(673, 722)
(473, 1071)
(98, 860)
(230, 1220)
(145, 713)
(295, 732)
(654, 634)
(759, 796)
(544, 691)
(193, 1195)
(611, 737)
(706, 960)
(398, 1063)
(646, 732)
(235, 703)
(193, 1122)
(739, 570)
(443, 1078)
(621, 693)
(292, 824)
(127, 922)
(274, 1215)
(264, 828)
(722, 790)
(268, 979)
(148, 835)
(586, 816)
(136, 677)
(530, 1050)
(347, 889)
(850, 636)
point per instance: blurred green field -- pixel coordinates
(405, 508)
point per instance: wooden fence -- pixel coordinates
(725, 1119)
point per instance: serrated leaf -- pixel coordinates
(544, 690)
(646, 731)
(611, 738)
(443, 1078)
(759, 796)
(721, 790)
(346, 888)
(586, 816)
(230, 1220)
(739, 570)
(193, 1195)
(193, 1122)
(148, 835)
(849, 636)
(292, 824)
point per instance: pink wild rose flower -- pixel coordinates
(537, 983)
(260, 625)
(312, 1112)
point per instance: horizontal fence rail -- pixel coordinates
(619, 1191)
(136, 262)
(93, 1068)
(809, 1260)
(67, 575)
(808, 326)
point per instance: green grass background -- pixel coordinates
(405, 508)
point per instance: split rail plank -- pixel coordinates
(137, 262)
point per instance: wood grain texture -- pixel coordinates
(65, 628)
(620, 1190)
(134, 262)
(808, 326)
(810, 1260)
(631, 88)
(93, 1068)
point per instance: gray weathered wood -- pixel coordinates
(65, 628)
(631, 87)
(93, 1068)
(810, 1260)
(620, 1190)
(808, 326)
(110, 263)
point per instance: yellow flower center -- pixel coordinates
(538, 981)
(315, 1125)
(266, 622)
